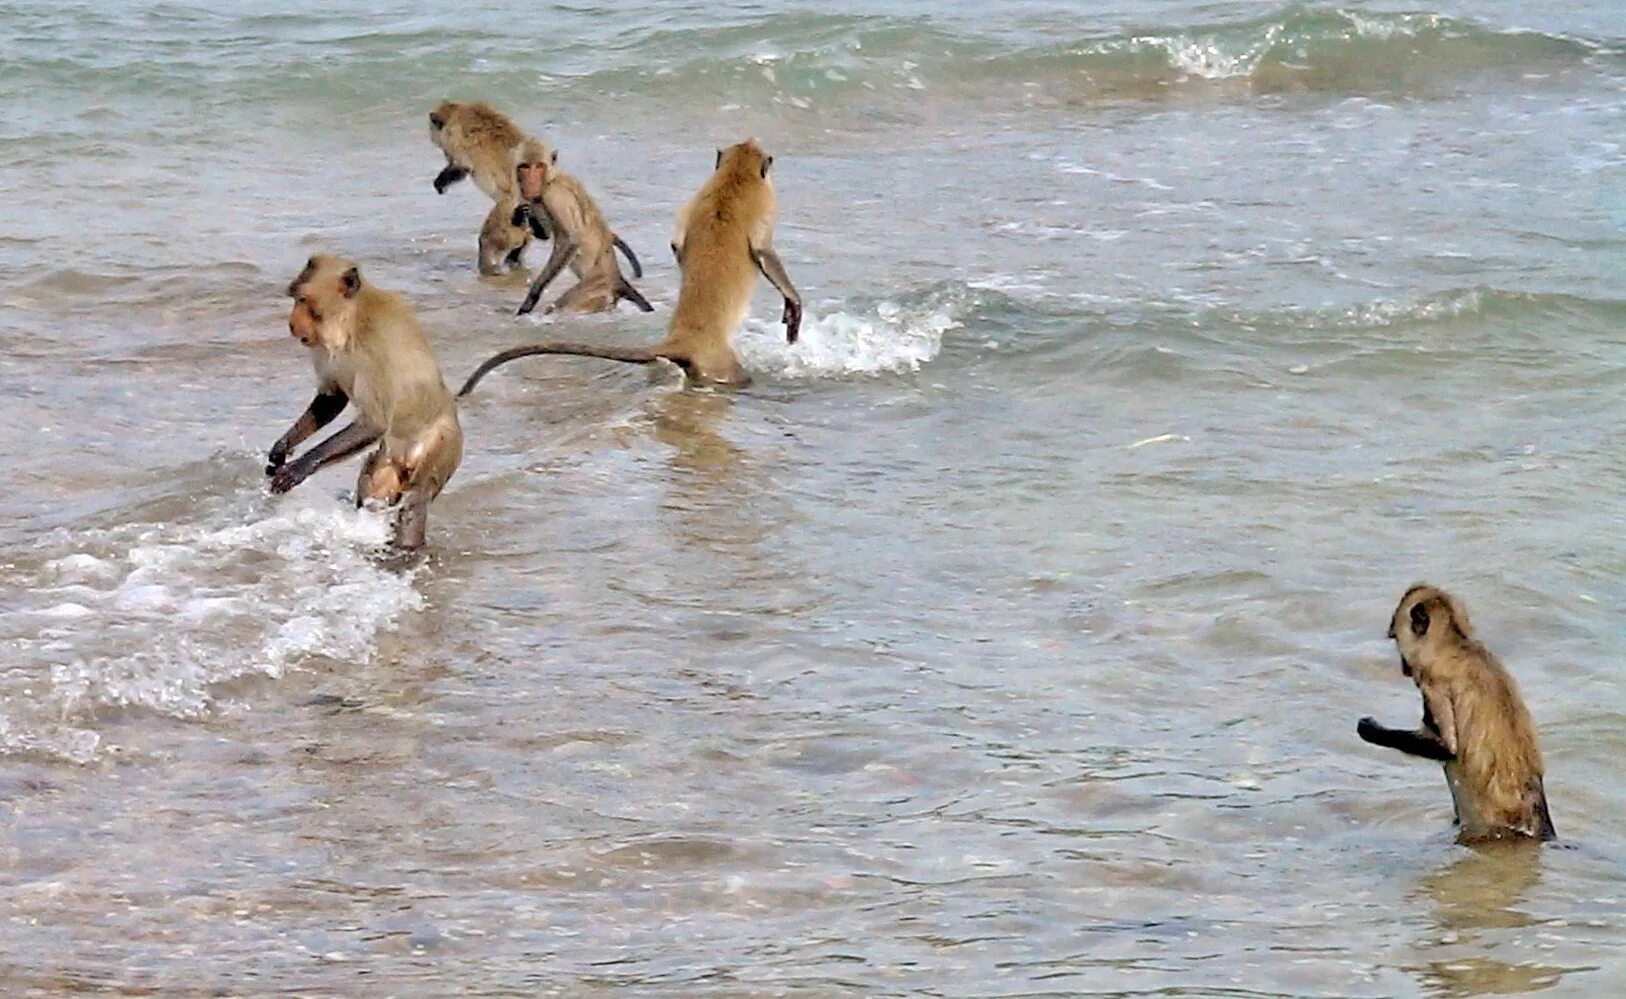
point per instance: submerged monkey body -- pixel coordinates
(724, 239)
(1474, 722)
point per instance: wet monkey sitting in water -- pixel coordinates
(368, 349)
(1474, 721)
(724, 239)
(558, 202)
(481, 142)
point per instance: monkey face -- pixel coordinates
(438, 119)
(532, 177)
(303, 322)
(321, 294)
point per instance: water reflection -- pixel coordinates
(1479, 910)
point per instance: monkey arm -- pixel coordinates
(1440, 720)
(319, 414)
(524, 217)
(449, 176)
(564, 246)
(774, 270)
(1415, 743)
(341, 445)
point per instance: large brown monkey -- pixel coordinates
(581, 238)
(1474, 721)
(724, 238)
(481, 142)
(368, 348)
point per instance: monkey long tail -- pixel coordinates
(626, 251)
(631, 355)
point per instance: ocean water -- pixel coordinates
(1006, 638)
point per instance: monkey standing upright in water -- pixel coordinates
(481, 142)
(1474, 721)
(724, 238)
(369, 349)
(581, 239)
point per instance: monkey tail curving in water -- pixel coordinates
(1474, 721)
(724, 240)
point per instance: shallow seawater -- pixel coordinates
(1006, 638)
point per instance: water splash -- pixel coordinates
(889, 337)
(154, 616)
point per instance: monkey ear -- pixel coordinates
(1419, 620)
(767, 161)
(351, 282)
(719, 159)
(436, 120)
(555, 157)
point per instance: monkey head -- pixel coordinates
(534, 164)
(1427, 620)
(324, 297)
(439, 117)
(745, 157)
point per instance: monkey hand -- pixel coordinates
(793, 320)
(275, 460)
(1368, 729)
(286, 477)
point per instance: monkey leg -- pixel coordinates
(341, 445)
(412, 522)
(317, 415)
(589, 295)
(1414, 743)
(381, 481)
(501, 243)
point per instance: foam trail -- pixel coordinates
(153, 616)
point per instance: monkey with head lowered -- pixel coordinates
(1474, 721)
(368, 348)
(481, 142)
(560, 204)
(724, 239)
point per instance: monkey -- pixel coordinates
(481, 142)
(368, 349)
(724, 238)
(1474, 721)
(582, 240)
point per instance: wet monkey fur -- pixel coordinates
(581, 240)
(481, 142)
(368, 349)
(1474, 721)
(724, 239)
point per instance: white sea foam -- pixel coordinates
(155, 616)
(892, 337)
